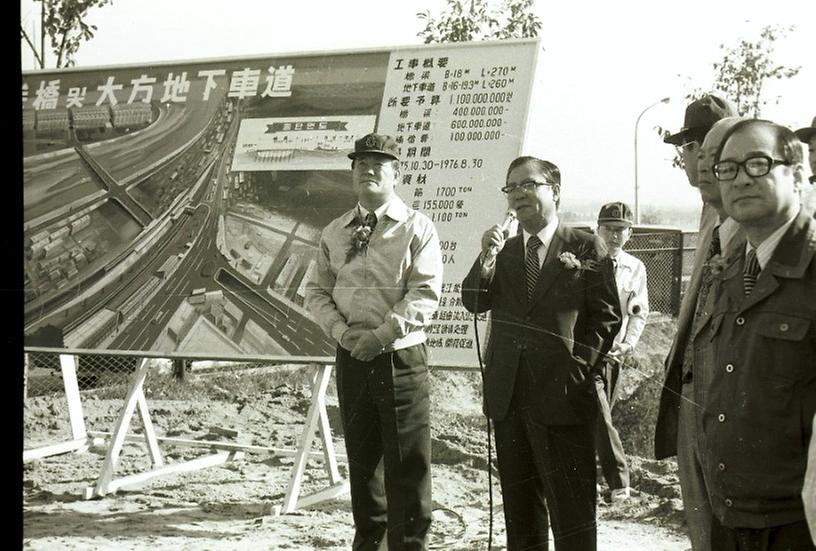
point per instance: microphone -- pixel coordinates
(493, 250)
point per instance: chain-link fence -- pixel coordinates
(43, 375)
(690, 242)
(661, 251)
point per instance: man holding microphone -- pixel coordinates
(554, 314)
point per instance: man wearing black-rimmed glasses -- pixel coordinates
(554, 314)
(761, 393)
(675, 432)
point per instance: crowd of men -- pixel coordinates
(567, 308)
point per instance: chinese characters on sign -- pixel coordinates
(243, 83)
(459, 117)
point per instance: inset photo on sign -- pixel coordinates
(298, 143)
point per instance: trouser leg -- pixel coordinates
(565, 461)
(607, 439)
(525, 510)
(692, 483)
(361, 431)
(403, 405)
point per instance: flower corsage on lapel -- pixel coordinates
(717, 265)
(569, 260)
(581, 262)
(360, 236)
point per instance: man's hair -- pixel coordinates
(784, 138)
(547, 169)
(394, 162)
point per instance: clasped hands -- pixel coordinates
(363, 344)
(620, 350)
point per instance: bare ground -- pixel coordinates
(231, 506)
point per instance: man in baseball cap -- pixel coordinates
(615, 228)
(675, 432)
(701, 114)
(375, 144)
(375, 289)
(808, 136)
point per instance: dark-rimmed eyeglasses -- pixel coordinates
(689, 146)
(526, 186)
(754, 166)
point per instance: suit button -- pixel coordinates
(729, 368)
(721, 466)
(784, 327)
(740, 320)
(721, 418)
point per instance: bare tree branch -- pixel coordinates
(37, 56)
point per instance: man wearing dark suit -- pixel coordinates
(760, 338)
(554, 314)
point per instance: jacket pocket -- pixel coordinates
(785, 349)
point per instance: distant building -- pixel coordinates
(55, 119)
(131, 114)
(91, 117)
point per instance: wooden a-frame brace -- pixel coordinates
(134, 399)
(79, 441)
(317, 420)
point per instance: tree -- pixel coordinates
(63, 21)
(745, 68)
(743, 72)
(465, 21)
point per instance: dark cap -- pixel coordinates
(379, 144)
(701, 114)
(805, 134)
(616, 212)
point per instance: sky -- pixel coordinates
(602, 64)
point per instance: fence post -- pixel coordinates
(179, 369)
(25, 377)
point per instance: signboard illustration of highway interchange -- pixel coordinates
(175, 209)
(187, 227)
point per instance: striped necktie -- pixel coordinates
(750, 272)
(531, 267)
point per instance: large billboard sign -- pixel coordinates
(176, 208)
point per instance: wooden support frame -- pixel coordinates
(135, 400)
(317, 422)
(79, 441)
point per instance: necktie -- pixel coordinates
(531, 267)
(750, 272)
(371, 221)
(705, 277)
(702, 296)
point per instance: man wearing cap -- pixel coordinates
(376, 287)
(675, 432)
(615, 228)
(760, 333)
(808, 136)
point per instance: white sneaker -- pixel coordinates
(620, 494)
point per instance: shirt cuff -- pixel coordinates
(338, 329)
(385, 334)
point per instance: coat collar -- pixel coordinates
(396, 209)
(792, 256)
